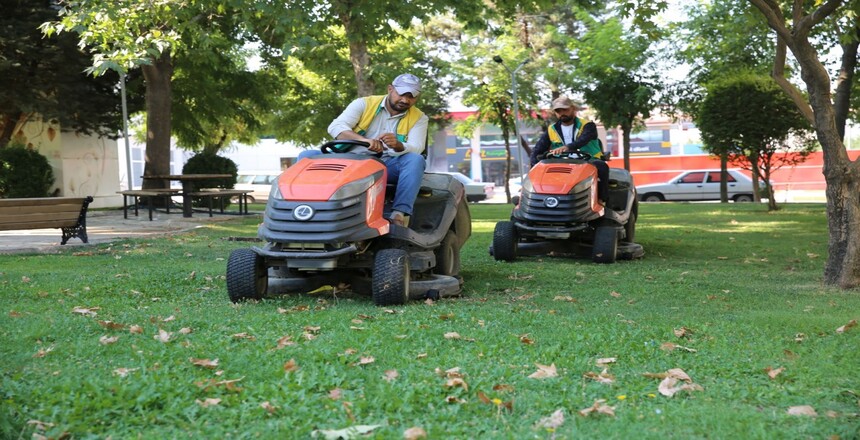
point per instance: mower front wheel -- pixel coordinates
(605, 247)
(505, 241)
(247, 277)
(390, 281)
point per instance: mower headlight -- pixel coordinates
(275, 192)
(527, 185)
(353, 189)
(582, 186)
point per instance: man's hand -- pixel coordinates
(559, 151)
(375, 145)
(390, 139)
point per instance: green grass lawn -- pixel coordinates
(725, 293)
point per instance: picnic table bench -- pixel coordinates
(66, 213)
(148, 195)
(221, 193)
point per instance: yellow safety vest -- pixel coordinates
(592, 147)
(372, 107)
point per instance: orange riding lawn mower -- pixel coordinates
(558, 213)
(325, 224)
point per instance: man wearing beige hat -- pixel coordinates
(394, 128)
(571, 133)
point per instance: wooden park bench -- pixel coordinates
(67, 213)
(224, 193)
(147, 195)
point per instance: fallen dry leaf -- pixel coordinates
(205, 363)
(615, 294)
(285, 341)
(312, 329)
(335, 394)
(39, 425)
(185, 331)
(421, 356)
(802, 410)
(162, 336)
(123, 372)
(290, 366)
(602, 362)
(457, 382)
(105, 340)
(351, 433)
(526, 340)
(414, 433)
(135, 329)
(603, 377)
(669, 346)
(208, 402)
(544, 372)
(454, 399)
(43, 352)
(773, 372)
(565, 298)
(553, 421)
(243, 335)
(268, 407)
(364, 360)
(599, 407)
(110, 325)
(682, 332)
(851, 323)
(452, 335)
(169, 318)
(85, 311)
(390, 375)
(503, 388)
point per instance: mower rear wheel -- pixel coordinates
(448, 256)
(505, 241)
(247, 277)
(390, 281)
(605, 246)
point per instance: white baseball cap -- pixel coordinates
(407, 83)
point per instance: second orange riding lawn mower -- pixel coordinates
(325, 224)
(558, 213)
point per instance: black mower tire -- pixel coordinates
(505, 241)
(390, 280)
(605, 248)
(448, 256)
(247, 277)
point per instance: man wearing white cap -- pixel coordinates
(569, 134)
(393, 126)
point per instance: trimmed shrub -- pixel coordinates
(24, 173)
(207, 163)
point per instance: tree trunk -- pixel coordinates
(625, 142)
(841, 174)
(158, 94)
(756, 174)
(845, 81)
(724, 176)
(358, 53)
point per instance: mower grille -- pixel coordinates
(332, 221)
(571, 208)
(559, 170)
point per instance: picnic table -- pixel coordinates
(186, 180)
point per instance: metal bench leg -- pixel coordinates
(125, 206)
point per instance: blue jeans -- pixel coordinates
(405, 171)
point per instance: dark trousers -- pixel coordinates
(602, 177)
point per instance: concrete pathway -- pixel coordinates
(104, 227)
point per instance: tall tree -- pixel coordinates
(612, 74)
(840, 172)
(748, 119)
(126, 34)
(45, 78)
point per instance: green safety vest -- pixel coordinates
(592, 147)
(372, 107)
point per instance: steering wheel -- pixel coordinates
(333, 147)
(576, 154)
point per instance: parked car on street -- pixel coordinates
(258, 182)
(699, 185)
(475, 191)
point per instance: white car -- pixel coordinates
(699, 185)
(475, 191)
(258, 182)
